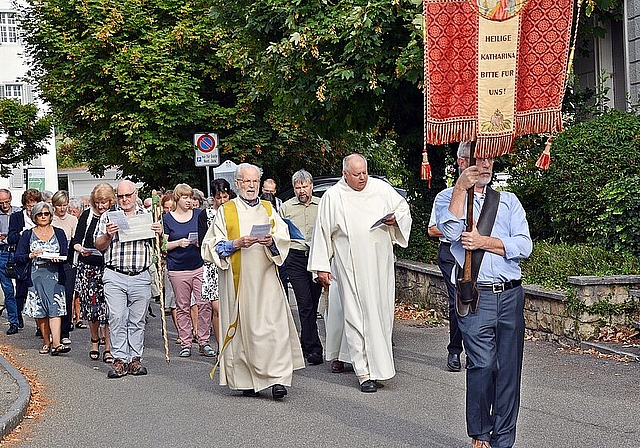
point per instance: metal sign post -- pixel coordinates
(207, 153)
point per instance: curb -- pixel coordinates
(610, 350)
(15, 414)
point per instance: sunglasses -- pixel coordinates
(126, 195)
(43, 214)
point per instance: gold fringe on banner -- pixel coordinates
(493, 146)
(538, 122)
(451, 131)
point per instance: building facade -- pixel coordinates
(42, 172)
(613, 61)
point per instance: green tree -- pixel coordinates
(22, 134)
(131, 82)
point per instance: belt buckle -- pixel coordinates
(497, 288)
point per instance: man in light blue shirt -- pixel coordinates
(447, 264)
(493, 334)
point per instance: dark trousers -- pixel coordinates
(494, 340)
(69, 286)
(446, 263)
(7, 289)
(307, 296)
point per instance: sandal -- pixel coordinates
(44, 350)
(80, 324)
(55, 351)
(95, 354)
(107, 357)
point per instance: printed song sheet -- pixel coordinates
(138, 228)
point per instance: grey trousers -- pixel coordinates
(127, 298)
(494, 340)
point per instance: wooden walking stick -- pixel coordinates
(156, 210)
(466, 269)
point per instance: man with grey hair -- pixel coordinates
(359, 220)
(127, 281)
(491, 316)
(301, 211)
(446, 263)
(248, 241)
(76, 207)
(6, 209)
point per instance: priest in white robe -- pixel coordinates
(359, 220)
(261, 348)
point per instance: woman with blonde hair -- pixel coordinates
(184, 264)
(67, 222)
(93, 306)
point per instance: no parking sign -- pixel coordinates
(207, 153)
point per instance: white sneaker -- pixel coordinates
(66, 341)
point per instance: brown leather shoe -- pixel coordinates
(480, 443)
(337, 366)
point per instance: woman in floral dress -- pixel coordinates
(222, 192)
(93, 307)
(43, 251)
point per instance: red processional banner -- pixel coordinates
(494, 70)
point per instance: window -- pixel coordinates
(8, 28)
(13, 91)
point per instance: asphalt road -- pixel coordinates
(568, 400)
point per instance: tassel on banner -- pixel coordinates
(425, 169)
(545, 158)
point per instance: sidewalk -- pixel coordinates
(14, 399)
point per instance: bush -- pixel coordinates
(562, 202)
(617, 228)
(550, 264)
(421, 247)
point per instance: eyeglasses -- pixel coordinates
(43, 214)
(5, 202)
(248, 181)
(126, 195)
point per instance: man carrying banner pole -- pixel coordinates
(492, 320)
(494, 71)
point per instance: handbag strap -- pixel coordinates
(485, 226)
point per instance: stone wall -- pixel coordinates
(545, 311)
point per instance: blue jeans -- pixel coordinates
(7, 289)
(494, 340)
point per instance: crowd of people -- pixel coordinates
(225, 264)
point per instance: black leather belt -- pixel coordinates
(497, 288)
(444, 243)
(129, 273)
